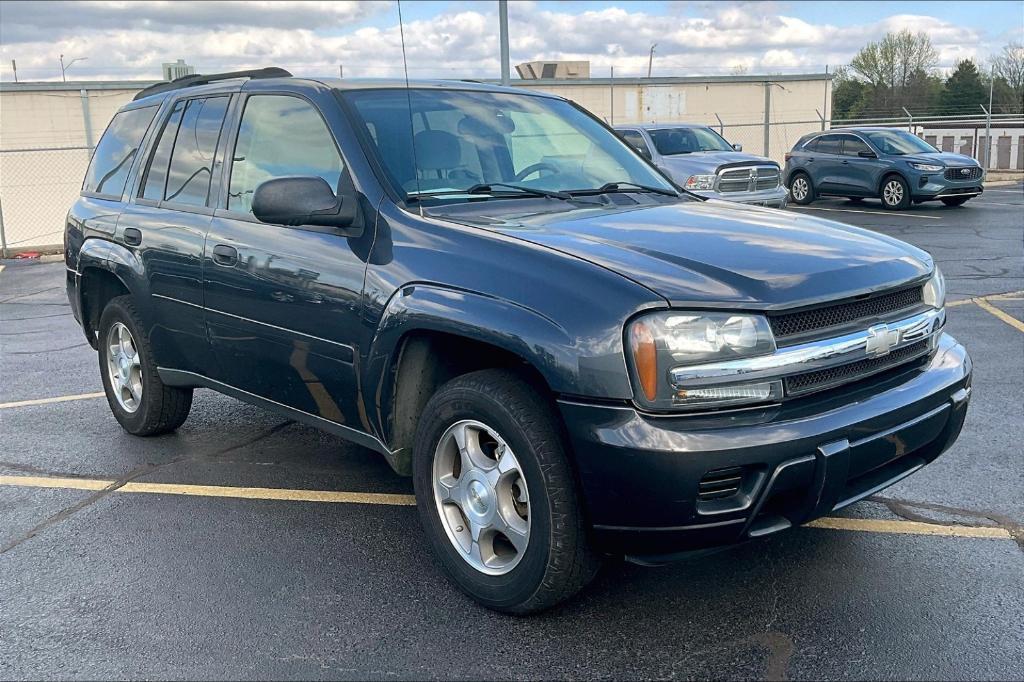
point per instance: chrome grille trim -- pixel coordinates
(756, 178)
(814, 355)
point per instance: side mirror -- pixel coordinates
(306, 200)
(644, 152)
(738, 147)
(867, 154)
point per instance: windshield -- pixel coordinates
(460, 140)
(670, 141)
(899, 142)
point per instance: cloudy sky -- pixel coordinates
(128, 40)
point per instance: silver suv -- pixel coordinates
(700, 160)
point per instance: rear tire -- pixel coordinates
(474, 498)
(955, 201)
(895, 193)
(801, 189)
(141, 403)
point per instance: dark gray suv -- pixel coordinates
(895, 166)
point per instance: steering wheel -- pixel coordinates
(535, 168)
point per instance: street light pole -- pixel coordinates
(650, 59)
(988, 118)
(506, 79)
(64, 67)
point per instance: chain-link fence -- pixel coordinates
(37, 187)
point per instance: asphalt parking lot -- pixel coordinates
(246, 546)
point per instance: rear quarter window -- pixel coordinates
(108, 169)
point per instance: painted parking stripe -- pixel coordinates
(393, 500)
(1005, 317)
(891, 214)
(910, 528)
(48, 401)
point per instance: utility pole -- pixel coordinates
(341, 71)
(506, 79)
(767, 114)
(14, 67)
(611, 90)
(988, 118)
(825, 102)
(650, 59)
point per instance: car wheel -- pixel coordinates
(895, 193)
(801, 189)
(142, 405)
(955, 201)
(497, 495)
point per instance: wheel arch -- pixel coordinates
(888, 173)
(105, 270)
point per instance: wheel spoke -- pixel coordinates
(449, 490)
(136, 391)
(465, 442)
(517, 536)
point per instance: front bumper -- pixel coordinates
(775, 198)
(929, 186)
(641, 475)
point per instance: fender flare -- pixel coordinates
(115, 259)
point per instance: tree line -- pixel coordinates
(900, 71)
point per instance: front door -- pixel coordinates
(857, 172)
(283, 303)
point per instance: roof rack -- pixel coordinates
(200, 79)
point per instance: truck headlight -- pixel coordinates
(661, 341)
(929, 167)
(700, 182)
(934, 293)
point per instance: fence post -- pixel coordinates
(988, 135)
(3, 237)
(767, 113)
(821, 117)
(721, 126)
(86, 117)
(910, 120)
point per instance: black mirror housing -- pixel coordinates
(306, 200)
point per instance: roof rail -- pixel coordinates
(200, 79)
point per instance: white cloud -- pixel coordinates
(131, 40)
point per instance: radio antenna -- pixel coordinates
(408, 98)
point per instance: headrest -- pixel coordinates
(437, 150)
(499, 124)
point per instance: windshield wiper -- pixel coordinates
(487, 188)
(623, 187)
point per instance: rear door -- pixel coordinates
(283, 303)
(826, 167)
(167, 223)
(857, 172)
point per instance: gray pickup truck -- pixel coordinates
(700, 160)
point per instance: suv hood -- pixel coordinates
(682, 166)
(716, 252)
(945, 158)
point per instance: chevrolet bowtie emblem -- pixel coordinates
(881, 340)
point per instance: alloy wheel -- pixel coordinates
(799, 189)
(893, 192)
(481, 497)
(124, 367)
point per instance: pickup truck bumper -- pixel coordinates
(658, 486)
(774, 198)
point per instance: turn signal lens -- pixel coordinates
(645, 358)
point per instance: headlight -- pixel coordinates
(930, 167)
(700, 182)
(935, 290)
(661, 341)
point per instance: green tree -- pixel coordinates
(847, 91)
(964, 90)
(1008, 69)
(899, 71)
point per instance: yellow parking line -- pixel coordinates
(285, 494)
(910, 528)
(390, 499)
(1005, 317)
(990, 297)
(47, 401)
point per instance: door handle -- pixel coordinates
(810, 159)
(846, 163)
(132, 236)
(225, 255)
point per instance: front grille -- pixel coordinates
(876, 305)
(720, 483)
(740, 180)
(808, 382)
(974, 172)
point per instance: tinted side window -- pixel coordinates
(811, 146)
(108, 170)
(156, 175)
(635, 140)
(279, 136)
(828, 144)
(853, 145)
(188, 178)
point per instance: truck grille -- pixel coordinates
(748, 179)
(973, 173)
(825, 317)
(808, 382)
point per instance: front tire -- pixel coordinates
(895, 193)
(801, 189)
(955, 201)
(497, 496)
(141, 403)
